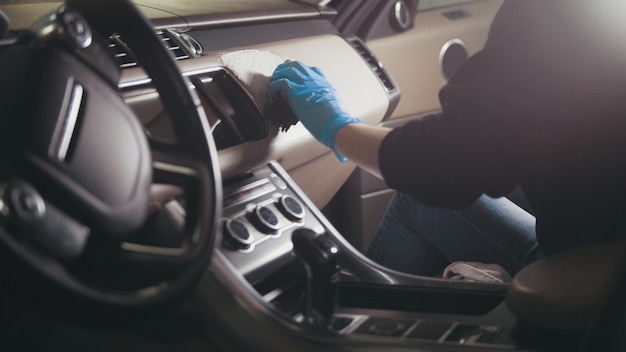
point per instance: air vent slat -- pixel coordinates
(122, 54)
(373, 63)
(171, 40)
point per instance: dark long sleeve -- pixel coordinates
(540, 105)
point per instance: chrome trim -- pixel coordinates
(402, 14)
(131, 84)
(250, 186)
(135, 83)
(142, 248)
(70, 120)
(174, 168)
(184, 41)
(4, 208)
(444, 49)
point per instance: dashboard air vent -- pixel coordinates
(172, 45)
(375, 65)
(122, 54)
(182, 46)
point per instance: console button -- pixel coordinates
(236, 234)
(278, 181)
(265, 219)
(291, 207)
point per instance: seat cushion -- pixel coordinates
(564, 291)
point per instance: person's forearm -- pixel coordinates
(318, 107)
(360, 144)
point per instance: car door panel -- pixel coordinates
(413, 57)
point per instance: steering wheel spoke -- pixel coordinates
(170, 234)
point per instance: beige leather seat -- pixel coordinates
(566, 291)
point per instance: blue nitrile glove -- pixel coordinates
(314, 101)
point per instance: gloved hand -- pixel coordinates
(314, 101)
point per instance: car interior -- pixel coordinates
(154, 198)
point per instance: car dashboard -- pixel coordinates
(274, 181)
(246, 56)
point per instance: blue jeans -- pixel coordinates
(423, 240)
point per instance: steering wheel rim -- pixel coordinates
(190, 164)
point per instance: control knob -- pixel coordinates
(264, 218)
(236, 234)
(291, 207)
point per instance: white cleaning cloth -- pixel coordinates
(254, 69)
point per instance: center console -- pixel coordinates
(265, 208)
(260, 213)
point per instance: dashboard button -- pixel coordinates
(236, 234)
(291, 207)
(278, 181)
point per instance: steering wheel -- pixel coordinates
(77, 167)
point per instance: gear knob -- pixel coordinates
(320, 256)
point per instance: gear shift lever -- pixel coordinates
(319, 256)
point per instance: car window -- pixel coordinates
(431, 4)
